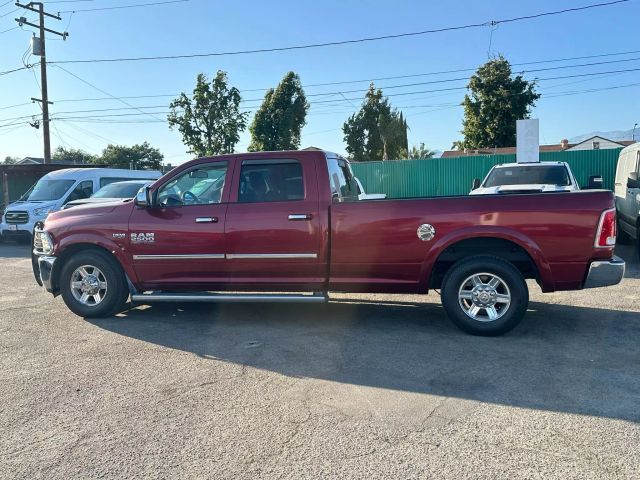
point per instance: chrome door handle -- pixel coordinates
(206, 219)
(300, 216)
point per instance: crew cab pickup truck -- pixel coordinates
(288, 226)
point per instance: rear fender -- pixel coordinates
(534, 251)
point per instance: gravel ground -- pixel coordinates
(369, 386)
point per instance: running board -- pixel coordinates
(229, 298)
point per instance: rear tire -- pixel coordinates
(485, 295)
(93, 285)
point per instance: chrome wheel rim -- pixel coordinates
(88, 285)
(484, 297)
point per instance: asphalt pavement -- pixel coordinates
(368, 386)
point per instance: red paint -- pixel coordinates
(359, 246)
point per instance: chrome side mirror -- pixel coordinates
(143, 198)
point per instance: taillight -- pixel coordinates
(606, 233)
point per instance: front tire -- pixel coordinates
(485, 295)
(93, 285)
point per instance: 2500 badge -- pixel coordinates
(142, 237)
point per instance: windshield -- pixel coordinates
(523, 175)
(46, 190)
(119, 190)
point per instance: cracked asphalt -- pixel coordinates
(369, 386)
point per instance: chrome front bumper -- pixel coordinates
(42, 270)
(604, 273)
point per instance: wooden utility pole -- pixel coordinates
(41, 52)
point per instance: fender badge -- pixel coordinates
(119, 235)
(143, 237)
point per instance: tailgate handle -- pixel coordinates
(300, 216)
(206, 219)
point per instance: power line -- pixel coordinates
(346, 42)
(119, 7)
(104, 92)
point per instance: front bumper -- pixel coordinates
(42, 270)
(604, 273)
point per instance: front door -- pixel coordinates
(180, 241)
(273, 228)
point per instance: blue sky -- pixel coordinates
(199, 26)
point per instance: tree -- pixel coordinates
(494, 103)
(376, 131)
(420, 152)
(138, 157)
(210, 122)
(277, 125)
(9, 160)
(73, 155)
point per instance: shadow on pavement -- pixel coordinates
(10, 249)
(561, 358)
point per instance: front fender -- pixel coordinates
(119, 251)
(488, 231)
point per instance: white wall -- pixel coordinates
(588, 144)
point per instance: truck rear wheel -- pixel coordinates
(485, 295)
(93, 285)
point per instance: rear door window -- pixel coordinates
(270, 181)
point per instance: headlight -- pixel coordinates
(42, 212)
(43, 242)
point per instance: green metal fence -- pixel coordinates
(453, 176)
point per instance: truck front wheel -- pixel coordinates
(93, 285)
(485, 295)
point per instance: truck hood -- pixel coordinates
(526, 188)
(90, 209)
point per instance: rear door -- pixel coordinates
(273, 225)
(180, 241)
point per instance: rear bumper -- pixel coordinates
(605, 273)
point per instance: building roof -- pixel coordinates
(556, 147)
(40, 161)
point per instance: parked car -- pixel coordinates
(627, 192)
(58, 188)
(362, 195)
(112, 192)
(526, 177)
(292, 222)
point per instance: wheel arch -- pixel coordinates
(67, 249)
(509, 245)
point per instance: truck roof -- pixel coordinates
(74, 173)
(533, 164)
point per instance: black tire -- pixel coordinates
(112, 298)
(623, 238)
(511, 285)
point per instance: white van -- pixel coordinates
(55, 189)
(627, 192)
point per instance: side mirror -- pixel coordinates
(475, 184)
(632, 181)
(143, 198)
(595, 182)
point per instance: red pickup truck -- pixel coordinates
(291, 223)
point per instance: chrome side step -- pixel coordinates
(229, 297)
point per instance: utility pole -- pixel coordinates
(41, 52)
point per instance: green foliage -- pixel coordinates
(210, 122)
(495, 102)
(377, 131)
(277, 125)
(9, 160)
(420, 152)
(73, 155)
(138, 157)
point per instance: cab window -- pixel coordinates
(202, 185)
(270, 181)
(82, 190)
